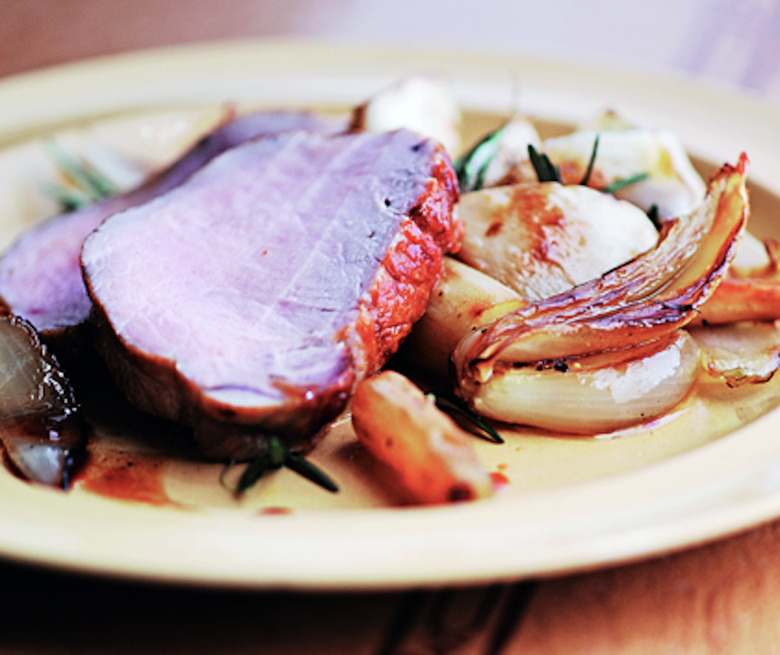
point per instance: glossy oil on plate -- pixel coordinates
(146, 507)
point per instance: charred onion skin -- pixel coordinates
(640, 302)
(41, 427)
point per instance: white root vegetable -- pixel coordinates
(541, 239)
(464, 299)
(432, 458)
(421, 103)
(671, 183)
(755, 258)
(644, 301)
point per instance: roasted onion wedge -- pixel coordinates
(41, 428)
(432, 458)
(592, 394)
(644, 301)
(740, 353)
(641, 301)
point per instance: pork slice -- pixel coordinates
(40, 273)
(249, 300)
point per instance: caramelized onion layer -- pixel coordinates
(586, 396)
(641, 301)
(628, 309)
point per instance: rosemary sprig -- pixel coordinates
(546, 171)
(68, 199)
(472, 166)
(89, 184)
(623, 182)
(453, 406)
(277, 456)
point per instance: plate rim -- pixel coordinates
(632, 533)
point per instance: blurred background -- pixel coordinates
(715, 42)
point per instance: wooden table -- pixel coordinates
(718, 598)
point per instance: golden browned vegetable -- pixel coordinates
(432, 458)
(543, 238)
(743, 300)
(751, 297)
(464, 299)
(631, 307)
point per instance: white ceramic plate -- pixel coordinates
(707, 470)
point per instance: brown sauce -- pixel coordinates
(135, 477)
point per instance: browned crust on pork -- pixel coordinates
(402, 286)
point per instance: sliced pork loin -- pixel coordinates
(250, 300)
(40, 274)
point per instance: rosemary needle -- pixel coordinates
(90, 184)
(623, 182)
(545, 170)
(454, 407)
(472, 167)
(277, 456)
(311, 472)
(591, 162)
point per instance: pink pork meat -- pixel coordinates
(249, 301)
(40, 274)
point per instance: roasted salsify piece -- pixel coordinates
(432, 458)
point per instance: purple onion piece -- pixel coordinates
(41, 427)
